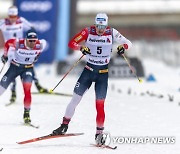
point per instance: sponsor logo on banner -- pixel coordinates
(41, 26)
(42, 6)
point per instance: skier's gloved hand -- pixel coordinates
(36, 58)
(4, 59)
(85, 50)
(120, 50)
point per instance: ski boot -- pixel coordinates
(40, 88)
(63, 128)
(100, 137)
(13, 97)
(26, 116)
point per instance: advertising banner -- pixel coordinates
(43, 15)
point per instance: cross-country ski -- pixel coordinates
(30, 125)
(9, 104)
(52, 93)
(50, 136)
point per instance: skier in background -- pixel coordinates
(13, 27)
(26, 52)
(99, 39)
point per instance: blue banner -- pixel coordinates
(63, 30)
(43, 15)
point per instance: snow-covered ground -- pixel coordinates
(132, 110)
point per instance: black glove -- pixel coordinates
(36, 58)
(120, 50)
(4, 59)
(85, 50)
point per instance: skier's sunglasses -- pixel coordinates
(101, 26)
(32, 40)
(12, 17)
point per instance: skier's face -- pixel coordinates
(12, 19)
(31, 43)
(100, 29)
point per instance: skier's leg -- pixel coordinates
(101, 91)
(83, 83)
(13, 91)
(26, 78)
(9, 76)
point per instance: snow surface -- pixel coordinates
(131, 110)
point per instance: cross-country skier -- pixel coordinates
(26, 52)
(99, 39)
(13, 27)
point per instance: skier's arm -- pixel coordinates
(8, 44)
(74, 42)
(121, 40)
(43, 44)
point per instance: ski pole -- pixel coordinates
(2, 68)
(75, 64)
(140, 80)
